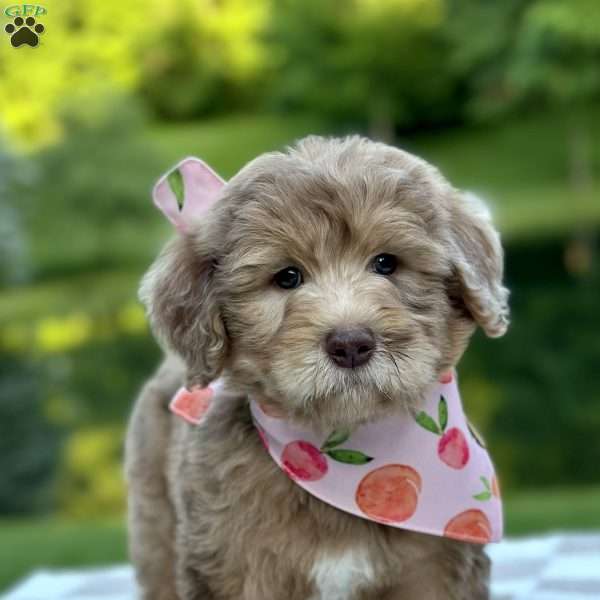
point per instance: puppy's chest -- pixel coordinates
(340, 575)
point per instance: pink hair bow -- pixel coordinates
(186, 192)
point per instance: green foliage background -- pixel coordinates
(502, 96)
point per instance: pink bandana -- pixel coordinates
(429, 473)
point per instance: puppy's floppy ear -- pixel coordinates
(478, 263)
(178, 290)
(180, 299)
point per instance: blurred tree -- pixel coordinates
(207, 57)
(178, 82)
(481, 35)
(373, 62)
(91, 482)
(544, 372)
(87, 201)
(185, 58)
(28, 443)
(86, 51)
(15, 266)
(557, 59)
(541, 53)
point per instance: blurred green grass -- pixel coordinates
(56, 297)
(553, 509)
(29, 544)
(520, 166)
(228, 143)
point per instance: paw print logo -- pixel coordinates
(24, 32)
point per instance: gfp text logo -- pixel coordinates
(25, 10)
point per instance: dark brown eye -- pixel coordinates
(288, 278)
(385, 264)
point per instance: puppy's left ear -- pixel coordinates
(184, 310)
(478, 264)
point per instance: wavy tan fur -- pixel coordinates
(211, 516)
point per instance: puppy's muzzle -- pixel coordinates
(350, 348)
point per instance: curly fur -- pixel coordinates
(211, 515)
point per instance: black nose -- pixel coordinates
(350, 348)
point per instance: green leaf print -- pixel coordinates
(175, 181)
(425, 421)
(336, 437)
(443, 413)
(487, 493)
(483, 496)
(350, 457)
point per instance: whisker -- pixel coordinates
(389, 355)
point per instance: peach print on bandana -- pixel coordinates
(425, 473)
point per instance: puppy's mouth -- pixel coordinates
(382, 384)
(315, 387)
(383, 381)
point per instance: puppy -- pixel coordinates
(332, 236)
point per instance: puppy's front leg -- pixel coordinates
(426, 589)
(460, 572)
(150, 515)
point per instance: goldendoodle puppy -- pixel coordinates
(327, 289)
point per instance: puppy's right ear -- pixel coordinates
(477, 258)
(178, 290)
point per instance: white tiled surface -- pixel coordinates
(552, 567)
